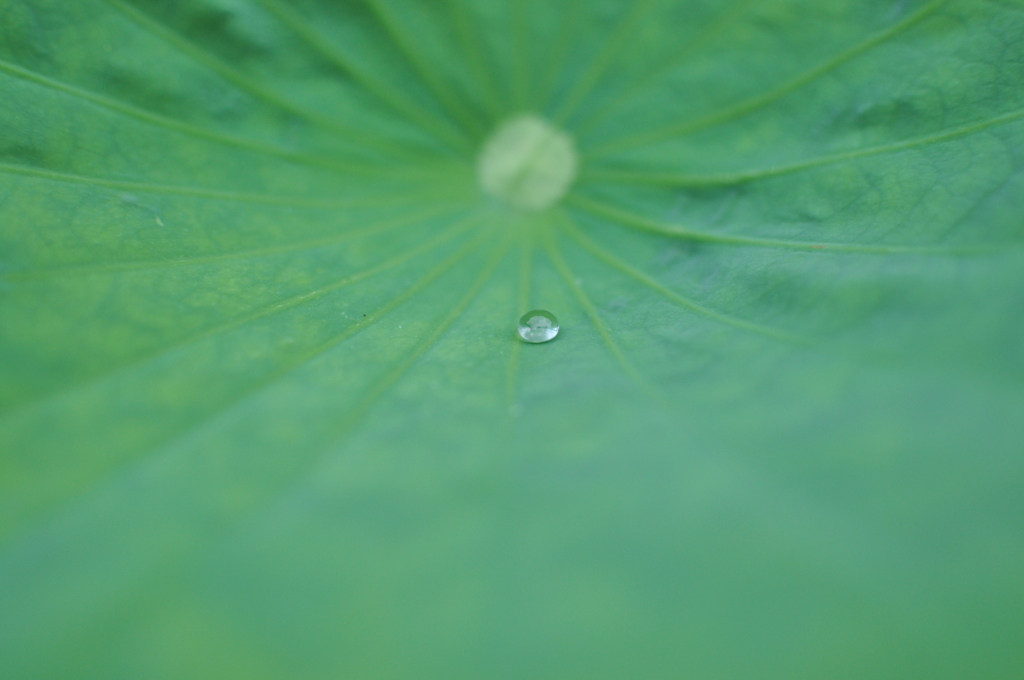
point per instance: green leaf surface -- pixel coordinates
(264, 412)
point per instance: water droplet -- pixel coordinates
(538, 326)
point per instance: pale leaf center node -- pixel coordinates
(527, 163)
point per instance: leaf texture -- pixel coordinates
(263, 410)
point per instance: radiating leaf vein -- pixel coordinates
(373, 84)
(639, 176)
(761, 101)
(576, 234)
(629, 219)
(257, 314)
(358, 138)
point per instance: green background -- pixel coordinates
(263, 413)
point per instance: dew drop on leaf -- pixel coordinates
(538, 326)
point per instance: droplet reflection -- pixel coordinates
(538, 326)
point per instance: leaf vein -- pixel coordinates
(301, 27)
(633, 220)
(576, 234)
(260, 313)
(188, 129)
(730, 179)
(763, 100)
(246, 84)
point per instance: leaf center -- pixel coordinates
(527, 163)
